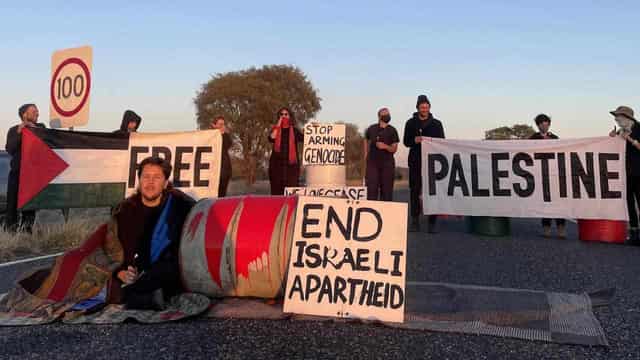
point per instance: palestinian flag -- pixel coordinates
(64, 169)
(72, 169)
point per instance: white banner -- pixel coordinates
(348, 259)
(345, 192)
(575, 178)
(195, 157)
(324, 144)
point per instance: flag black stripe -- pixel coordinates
(64, 139)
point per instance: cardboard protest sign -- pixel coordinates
(345, 192)
(348, 259)
(324, 144)
(575, 178)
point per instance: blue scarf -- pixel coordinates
(160, 238)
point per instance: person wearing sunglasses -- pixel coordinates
(284, 163)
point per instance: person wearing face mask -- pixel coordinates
(284, 163)
(543, 122)
(381, 142)
(422, 123)
(28, 114)
(630, 131)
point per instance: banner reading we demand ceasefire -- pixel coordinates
(575, 178)
(66, 169)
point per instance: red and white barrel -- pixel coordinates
(238, 246)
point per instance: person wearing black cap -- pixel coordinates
(630, 131)
(422, 123)
(543, 122)
(28, 114)
(130, 122)
(381, 142)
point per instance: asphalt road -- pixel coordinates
(523, 260)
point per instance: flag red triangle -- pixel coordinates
(38, 166)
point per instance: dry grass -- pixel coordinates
(47, 238)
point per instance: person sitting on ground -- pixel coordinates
(130, 123)
(149, 225)
(544, 123)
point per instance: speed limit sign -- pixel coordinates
(70, 87)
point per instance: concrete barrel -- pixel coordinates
(238, 246)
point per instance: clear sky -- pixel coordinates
(482, 63)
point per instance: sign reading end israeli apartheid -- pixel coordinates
(324, 144)
(344, 192)
(348, 259)
(574, 178)
(78, 169)
(70, 87)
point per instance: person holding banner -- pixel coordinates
(130, 122)
(543, 122)
(284, 165)
(421, 124)
(381, 142)
(28, 114)
(225, 170)
(630, 131)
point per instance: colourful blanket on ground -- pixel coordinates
(47, 295)
(80, 274)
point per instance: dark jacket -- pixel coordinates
(126, 118)
(14, 143)
(538, 136)
(282, 158)
(128, 216)
(633, 154)
(431, 127)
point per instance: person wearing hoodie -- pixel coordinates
(130, 122)
(422, 123)
(630, 131)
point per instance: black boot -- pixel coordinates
(415, 224)
(634, 237)
(431, 226)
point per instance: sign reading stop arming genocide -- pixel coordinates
(324, 144)
(575, 178)
(70, 87)
(348, 259)
(65, 169)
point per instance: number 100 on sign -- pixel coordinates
(70, 87)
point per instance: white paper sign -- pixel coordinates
(575, 178)
(344, 192)
(324, 144)
(348, 259)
